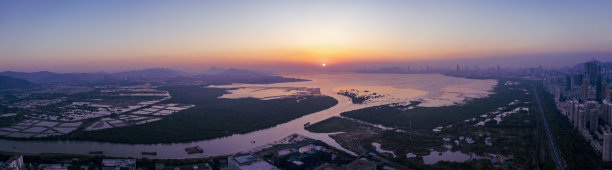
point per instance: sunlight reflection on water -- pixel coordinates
(433, 89)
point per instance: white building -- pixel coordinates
(248, 161)
(116, 164)
(13, 163)
(52, 167)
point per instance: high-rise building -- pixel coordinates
(592, 105)
(593, 71)
(599, 90)
(591, 115)
(578, 79)
(498, 70)
(607, 112)
(606, 153)
(581, 119)
(569, 83)
(605, 91)
(584, 92)
(576, 115)
(593, 120)
(573, 110)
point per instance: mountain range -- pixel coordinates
(580, 67)
(7, 82)
(213, 75)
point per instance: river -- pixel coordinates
(432, 89)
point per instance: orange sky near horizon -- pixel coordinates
(117, 34)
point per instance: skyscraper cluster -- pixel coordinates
(585, 101)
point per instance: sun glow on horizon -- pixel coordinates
(306, 33)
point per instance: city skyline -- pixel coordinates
(318, 84)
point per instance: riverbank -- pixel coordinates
(427, 87)
(212, 117)
(485, 139)
(77, 161)
(410, 118)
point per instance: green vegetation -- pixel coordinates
(473, 164)
(356, 99)
(430, 117)
(7, 82)
(514, 135)
(334, 124)
(399, 142)
(93, 162)
(212, 117)
(7, 121)
(403, 143)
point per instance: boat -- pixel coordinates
(307, 124)
(96, 152)
(149, 153)
(193, 150)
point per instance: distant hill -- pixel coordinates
(212, 76)
(46, 77)
(33, 77)
(394, 70)
(152, 74)
(214, 70)
(232, 75)
(580, 67)
(7, 82)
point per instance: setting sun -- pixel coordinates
(245, 84)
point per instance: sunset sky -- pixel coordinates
(119, 35)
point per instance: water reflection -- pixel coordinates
(434, 157)
(421, 87)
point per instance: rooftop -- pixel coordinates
(242, 159)
(262, 165)
(119, 162)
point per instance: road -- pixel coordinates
(554, 150)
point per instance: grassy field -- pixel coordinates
(431, 117)
(333, 124)
(514, 135)
(211, 117)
